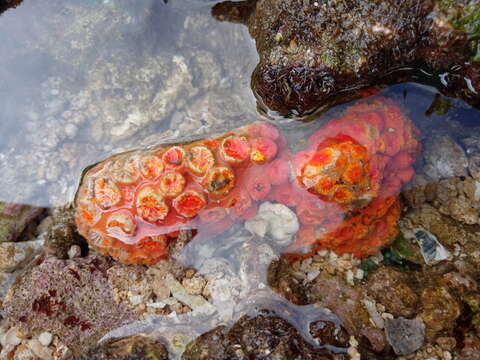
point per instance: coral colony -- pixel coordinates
(343, 187)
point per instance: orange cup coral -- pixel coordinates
(343, 187)
(132, 205)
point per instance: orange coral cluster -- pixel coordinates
(344, 187)
(132, 205)
(355, 167)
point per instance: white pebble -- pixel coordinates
(45, 338)
(349, 277)
(353, 342)
(10, 338)
(359, 274)
(74, 252)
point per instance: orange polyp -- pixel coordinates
(235, 149)
(353, 174)
(174, 158)
(172, 184)
(219, 180)
(150, 205)
(125, 171)
(123, 221)
(200, 159)
(189, 203)
(278, 171)
(342, 194)
(263, 150)
(258, 185)
(264, 130)
(106, 193)
(151, 166)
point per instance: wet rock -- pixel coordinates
(343, 300)
(445, 158)
(400, 299)
(405, 335)
(70, 298)
(260, 337)
(129, 348)
(62, 234)
(311, 52)
(14, 255)
(471, 350)
(439, 309)
(14, 218)
(450, 233)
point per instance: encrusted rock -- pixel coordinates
(260, 337)
(439, 309)
(400, 299)
(71, 298)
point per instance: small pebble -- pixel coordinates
(45, 338)
(74, 252)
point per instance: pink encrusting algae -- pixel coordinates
(343, 187)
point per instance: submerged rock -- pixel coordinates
(130, 348)
(260, 337)
(312, 52)
(14, 218)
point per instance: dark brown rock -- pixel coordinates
(311, 52)
(259, 337)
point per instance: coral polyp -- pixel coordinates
(343, 187)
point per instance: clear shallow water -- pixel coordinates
(82, 80)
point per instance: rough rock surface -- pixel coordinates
(400, 299)
(130, 348)
(70, 298)
(260, 337)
